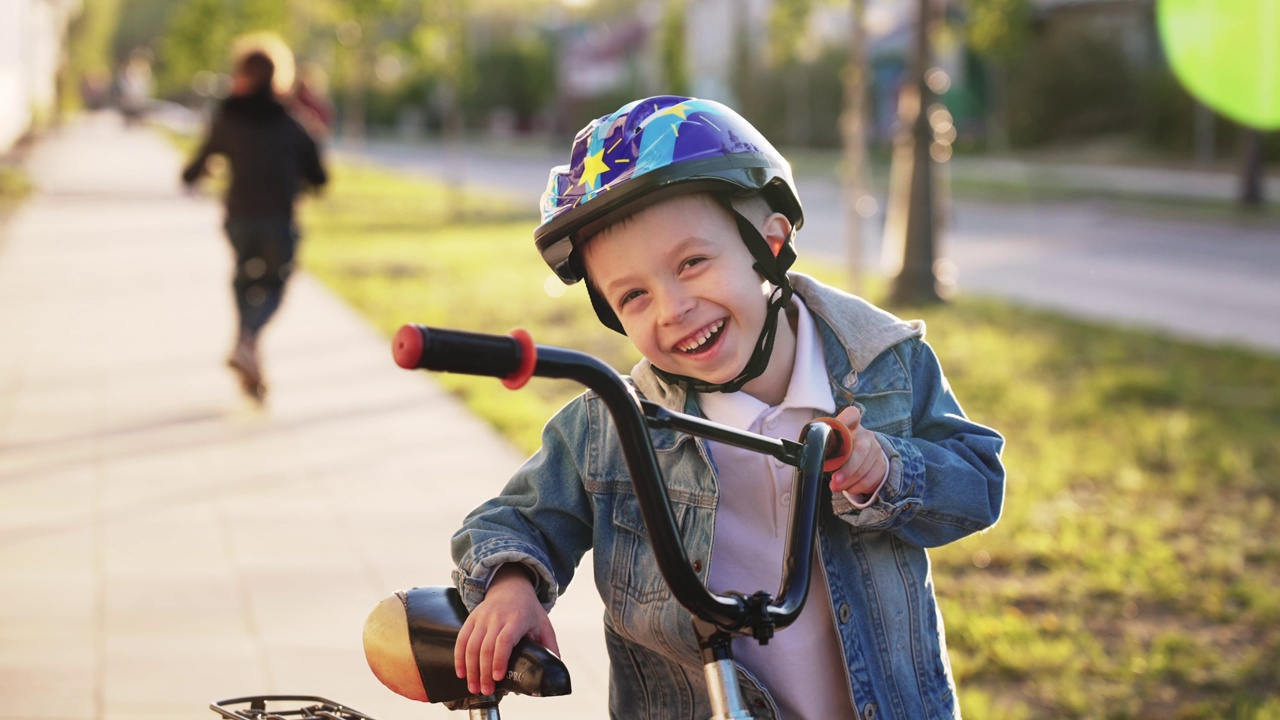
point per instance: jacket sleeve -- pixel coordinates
(310, 166)
(946, 480)
(543, 518)
(212, 144)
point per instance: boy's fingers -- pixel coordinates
(460, 649)
(501, 655)
(485, 672)
(850, 416)
(473, 662)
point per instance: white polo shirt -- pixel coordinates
(802, 666)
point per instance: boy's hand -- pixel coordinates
(510, 611)
(867, 466)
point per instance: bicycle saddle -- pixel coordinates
(409, 639)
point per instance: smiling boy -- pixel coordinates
(681, 217)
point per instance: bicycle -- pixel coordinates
(409, 636)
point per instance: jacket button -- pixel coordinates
(697, 566)
(869, 711)
(845, 613)
(759, 703)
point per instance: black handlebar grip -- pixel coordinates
(419, 347)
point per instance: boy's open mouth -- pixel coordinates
(702, 340)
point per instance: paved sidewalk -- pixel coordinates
(162, 542)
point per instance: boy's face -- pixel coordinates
(681, 281)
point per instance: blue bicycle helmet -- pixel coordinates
(650, 150)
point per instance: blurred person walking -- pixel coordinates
(134, 87)
(272, 159)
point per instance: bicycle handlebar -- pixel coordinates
(515, 358)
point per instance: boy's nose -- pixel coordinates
(675, 305)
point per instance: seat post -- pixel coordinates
(716, 647)
(722, 689)
(478, 707)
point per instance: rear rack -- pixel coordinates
(286, 707)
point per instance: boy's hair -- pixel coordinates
(273, 49)
(258, 68)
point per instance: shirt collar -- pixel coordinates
(809, 387)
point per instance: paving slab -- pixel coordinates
(165, 542)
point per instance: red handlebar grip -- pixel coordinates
(838, 454)
(407, 346)
(528, 360)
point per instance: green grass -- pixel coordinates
(1135, 573)
(14, 186)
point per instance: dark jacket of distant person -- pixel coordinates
(272, 157)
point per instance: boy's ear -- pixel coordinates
(776, 231)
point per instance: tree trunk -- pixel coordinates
(353, 114)
(998, 106)
(854, 130)
(1251, 169)
(916, 282)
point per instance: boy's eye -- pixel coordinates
(628, 297)
(694, 261)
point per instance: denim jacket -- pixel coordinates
(945, 481)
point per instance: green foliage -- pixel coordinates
(998, 28)
(517, 75)
(89, 45)
(440, 37)
(141, 23)
(788, 29)
(1134, 572)
(199, 33)
(14, 186)
(1071, 83)
(672, 51)
(797, 103)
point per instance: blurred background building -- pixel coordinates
(32, 58)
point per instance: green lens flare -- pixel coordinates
(1227, 54)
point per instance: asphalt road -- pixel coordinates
(1203, 276)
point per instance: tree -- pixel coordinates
(199, 35)
(89, 46)
(910, 225)
(359, 33)
(441, 42)
(789, 21)
(853, 125)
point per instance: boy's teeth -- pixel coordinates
(706, 335)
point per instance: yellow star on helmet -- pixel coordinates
(680, 110)
(591, 169)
